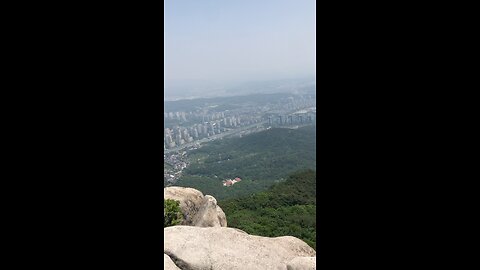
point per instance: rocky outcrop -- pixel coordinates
(220, 248)
(205, 242)
(168, 263)
(197, 209)
(302, 263)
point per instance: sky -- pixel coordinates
(225, 41)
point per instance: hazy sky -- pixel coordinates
(239, 40)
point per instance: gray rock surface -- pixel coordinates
(168, 263)
(221, 248)
(198, 210)
(302, 263)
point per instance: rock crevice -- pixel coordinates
(169, 264)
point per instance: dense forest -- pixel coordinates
(259, 159)
(286, 208)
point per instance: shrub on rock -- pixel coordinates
(172, 215)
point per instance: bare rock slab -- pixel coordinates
(302, 263)
(220, 248)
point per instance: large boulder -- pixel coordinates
(197, 210)
(168, 263)
(220, 248)
(302, 263)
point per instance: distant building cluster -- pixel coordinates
(186, 127)
(180, 135)
(178, 162)
(230, 182)
(298, 118)
(175, 115)
(176, 136)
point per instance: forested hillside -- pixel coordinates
(286, 208)
(259, 159)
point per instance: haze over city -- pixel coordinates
(213, 46)
(239, 140)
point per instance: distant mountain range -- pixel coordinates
(192, 89)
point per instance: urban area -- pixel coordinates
(186, 130)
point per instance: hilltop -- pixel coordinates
(203, 240)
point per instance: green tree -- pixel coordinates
(172, 215)
(286, 208)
